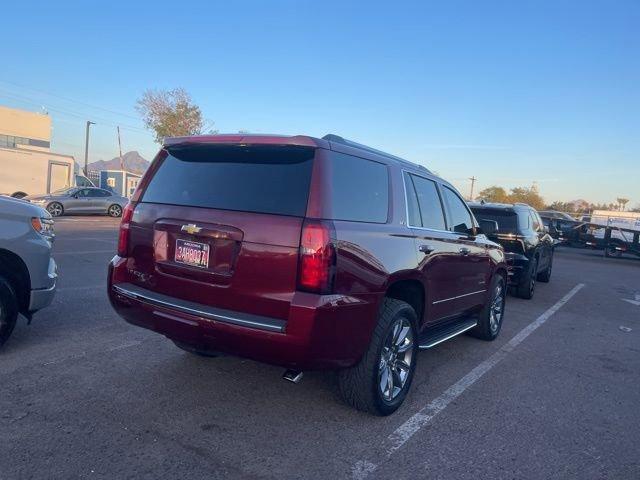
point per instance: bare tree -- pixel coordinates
(622, 202)
(170, 113)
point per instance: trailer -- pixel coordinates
(614, 240)
(31, 172)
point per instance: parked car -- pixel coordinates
(306, 253)
(81, 200)
(27, 271)
(528, 245)
(556, 214)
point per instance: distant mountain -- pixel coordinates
(133, 162)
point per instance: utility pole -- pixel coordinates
(473, 182)
(86, 147)
(120, 149)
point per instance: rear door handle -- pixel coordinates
(465, 251)
(426, 249)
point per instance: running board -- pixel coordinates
(442, 333)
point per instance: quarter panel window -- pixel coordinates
(359, 189)
(460, 220)
(413, 210)
(428, 203)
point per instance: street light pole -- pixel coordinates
(86, 147)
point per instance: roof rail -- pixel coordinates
(350, 143)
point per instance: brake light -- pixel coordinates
(317, 258)
(125, 224)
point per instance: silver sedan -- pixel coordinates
(79, 200)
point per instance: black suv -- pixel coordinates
(526, 241)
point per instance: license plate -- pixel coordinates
(194, 254)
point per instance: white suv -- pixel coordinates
(27, 271)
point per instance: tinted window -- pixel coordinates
(264, 179)
(98, 193)
(524, 219)
(359, 189)
(507, 219)
(84, 193)
(413, 210)
(428, 203)
(459, 217)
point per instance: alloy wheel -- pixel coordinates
(532, 282)
(115, 210)
(55, 209)
(396, 359)
(497, 309)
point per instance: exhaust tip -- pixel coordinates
(293, 376)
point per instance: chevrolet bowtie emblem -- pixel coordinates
(191, 228)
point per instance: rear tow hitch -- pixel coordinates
(293, 376)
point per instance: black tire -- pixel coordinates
(360, 386)
(611, 251)
(196, 351)
(492, 315)
(114, 210)
(8, 310)
(545, 276)
(527, 286)
(55, 209)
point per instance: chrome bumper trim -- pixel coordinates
(203, 311)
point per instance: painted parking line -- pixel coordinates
(363, 468)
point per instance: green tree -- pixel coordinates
(528, 195)
(170, 113)
(494, 194)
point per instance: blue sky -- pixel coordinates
(510, 92)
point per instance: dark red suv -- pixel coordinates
(306, 253)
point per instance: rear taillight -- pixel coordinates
(317, 257)
(123, 235)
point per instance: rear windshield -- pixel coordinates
(507, 220)
(262, 179)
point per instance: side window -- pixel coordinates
(428, 204)
(413, 210)
(84, 193)
(103, 193)
(524, 219)
(359, 189)
(535, 222)
(460, 220)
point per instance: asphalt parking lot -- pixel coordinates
(85, 395)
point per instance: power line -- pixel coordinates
(70, 99)
(83, 116)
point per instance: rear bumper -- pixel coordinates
(518, 264)
(321, 331)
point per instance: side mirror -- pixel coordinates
(545, 229)
(488, 227)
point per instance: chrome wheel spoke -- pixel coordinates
(406, 346)
(402, 335)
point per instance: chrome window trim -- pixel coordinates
(406, 203)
